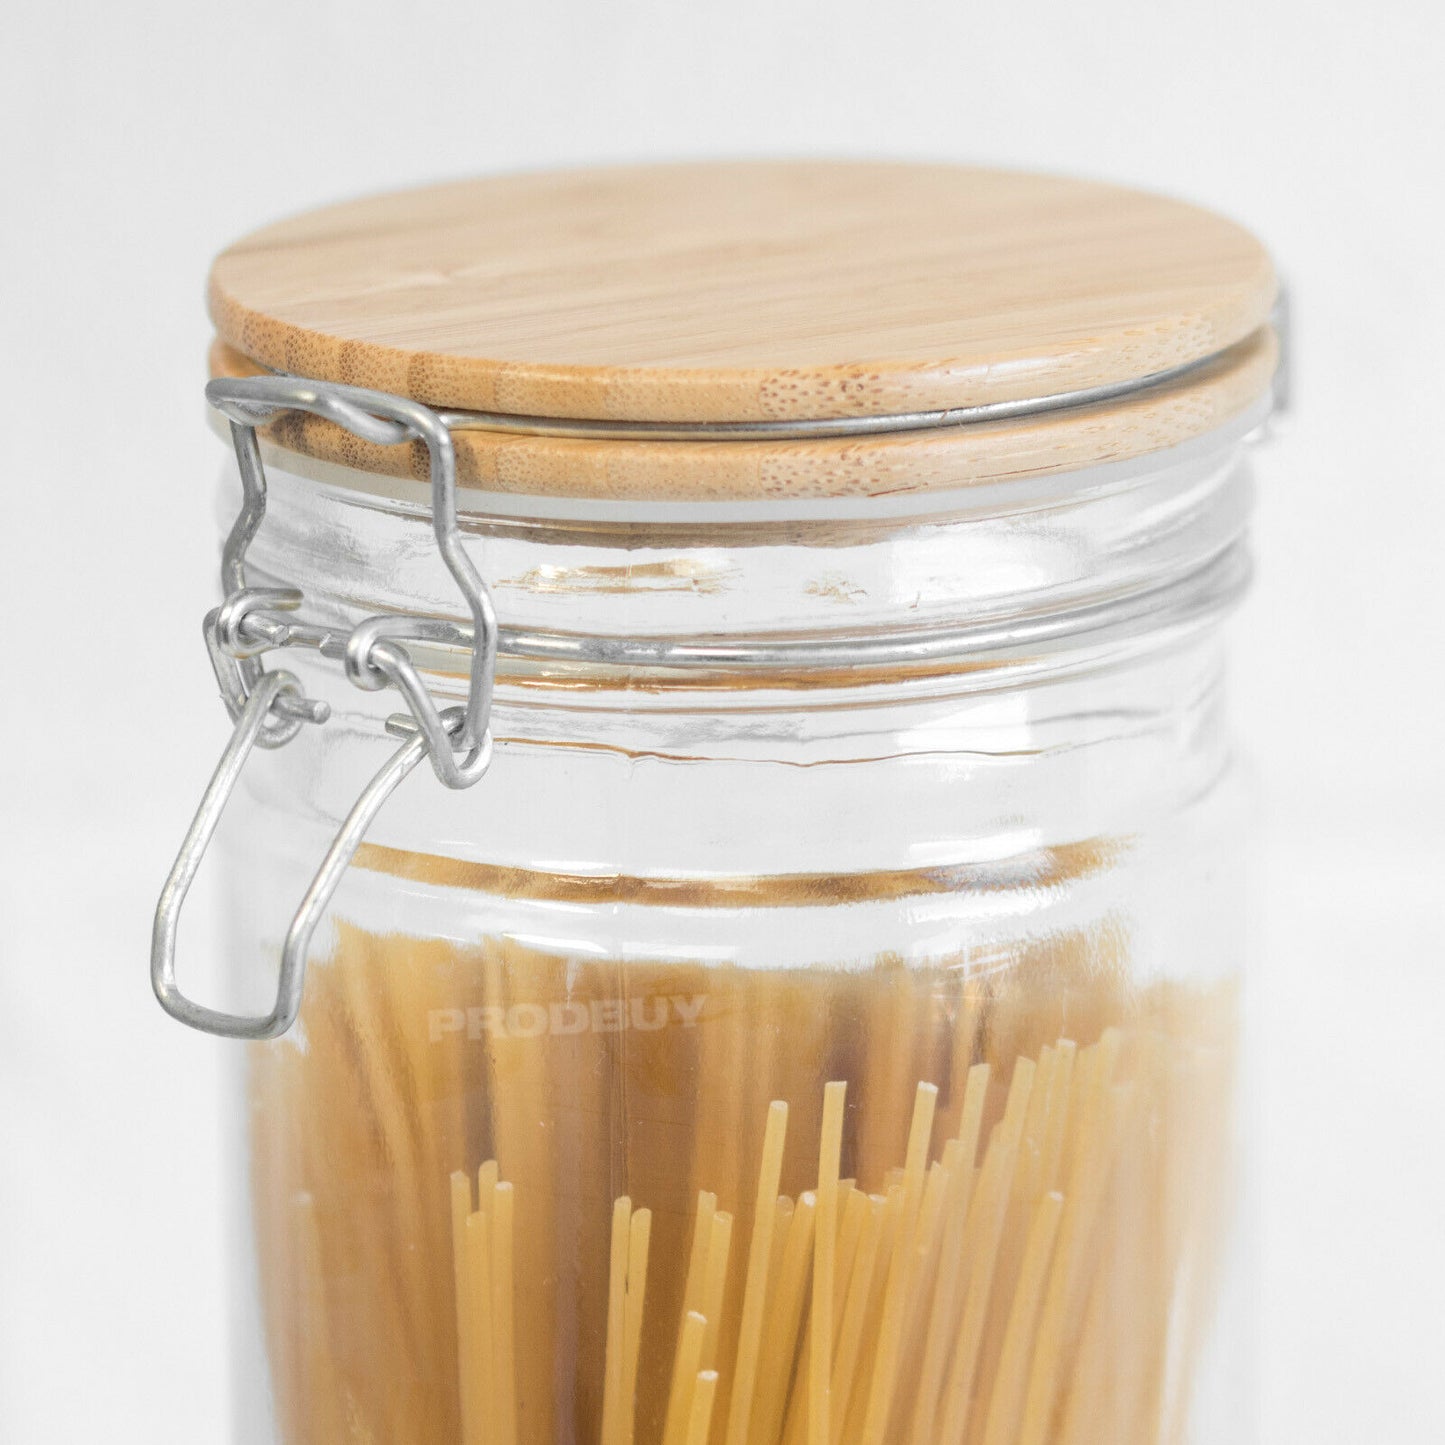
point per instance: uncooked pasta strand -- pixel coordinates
(1029, 1175)
(1008, 1384)
(755, 1295)
(696, 1285)
(780, 1344)
(684, 1379)
(504, 1351)
(825, 1245)
(1061, 1090)
(850, 1333)
(520, 1077)
(1028, 1178)
(942, 1319)
(854, 1212)
(782, 1223)
(885, 1366)
(922, 1285)
(1082, 1198)
(461, 1209)
(966, 1023)
(482, 1365)
(975, 1095)
(1086, 1414)
(719, 1246)
(638, 1244)
(613, 1366)
(796, 1426)
(873, 1316)
(700, 1411)
(922, 1269)
(991, 1205)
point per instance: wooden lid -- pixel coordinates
(891, 463)
(742, 291)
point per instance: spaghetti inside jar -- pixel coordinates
(818, 1025)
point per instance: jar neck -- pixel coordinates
(1084, 741)
(892, 780)
(1005, 578)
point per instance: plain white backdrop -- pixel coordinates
(138, 140)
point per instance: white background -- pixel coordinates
(137, 140)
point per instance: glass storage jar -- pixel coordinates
(802, 1007)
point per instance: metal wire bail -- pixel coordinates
(269, 708)
(291, 981)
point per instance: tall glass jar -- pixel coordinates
(819, 1024)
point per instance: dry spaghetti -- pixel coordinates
(994, 1225)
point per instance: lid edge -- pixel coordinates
(859, 466)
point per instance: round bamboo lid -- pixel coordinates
(752, 292)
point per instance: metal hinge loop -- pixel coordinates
(269, 708)
(291, 980)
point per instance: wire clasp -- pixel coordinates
(270, 708)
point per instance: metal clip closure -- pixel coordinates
(269, 708)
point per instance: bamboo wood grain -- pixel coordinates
(742, 290)
(927, 461)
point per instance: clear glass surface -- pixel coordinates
(758, 1060)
